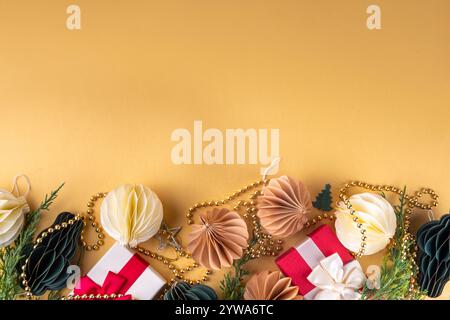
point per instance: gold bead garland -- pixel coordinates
(408, 252)
(90, 216)
(178, 273)
(93, 296)
(265, 246)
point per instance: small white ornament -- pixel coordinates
(377, 217)
(131, 214)
(12, 213)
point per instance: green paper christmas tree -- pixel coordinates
(324, 199)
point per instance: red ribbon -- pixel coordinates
(115, 283)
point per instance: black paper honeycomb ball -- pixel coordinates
(184, 291)
(433, 239)
(47, 264)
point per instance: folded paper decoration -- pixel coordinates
(298, 263)
(125, 271)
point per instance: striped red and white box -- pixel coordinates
(297, 263)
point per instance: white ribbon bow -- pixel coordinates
(334, 281)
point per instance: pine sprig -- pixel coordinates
(394, 279)
(231, 286)
(12, 255)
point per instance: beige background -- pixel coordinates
(95, 108)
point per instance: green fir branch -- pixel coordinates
(12, 255)
(231, 286)
(394, 280)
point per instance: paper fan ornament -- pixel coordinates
(220, 238)
(12, 213)
(375, 214)
(284, 206)
(131, 214)
(270, 286)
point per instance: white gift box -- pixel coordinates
(144, 281)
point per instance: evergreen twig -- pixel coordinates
(231, 285)
(394, 280)
(12, 255)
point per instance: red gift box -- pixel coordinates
(121, 271)
(297, 263)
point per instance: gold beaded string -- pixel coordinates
(266, 245)
(313, 221)
(92, 296)
(91, 219)
(178, 273)
(408, 253)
